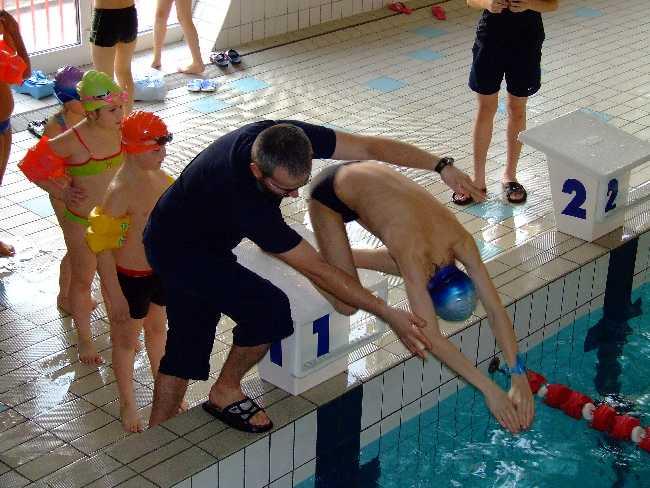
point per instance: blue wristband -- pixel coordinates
(518, 368)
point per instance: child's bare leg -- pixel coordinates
(83, 265)
(124, 337)
(482, 136)
(6, 249)
(155, 337)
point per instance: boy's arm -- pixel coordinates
(420, 301)
(494, 6)
(536, 5)
(11, 31)
(116, 204)
(500, 323)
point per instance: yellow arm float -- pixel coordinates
(105, 232)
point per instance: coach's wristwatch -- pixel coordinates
(446, 161)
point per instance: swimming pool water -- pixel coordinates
(457, 443)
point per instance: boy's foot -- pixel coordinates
(184, 406)
(88, 354)
(130, 419)
(156, 64)
(6, 250)
(192, 69)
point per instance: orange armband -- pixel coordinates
(12, 66)
(42, 163)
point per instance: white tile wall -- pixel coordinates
(236, 19)
(430, 374)
(231, 471)
(282, 451)
(257, 464)
(392, 390)
(585, 284)
(305, 441)
(371, 402)
(303, 472)
(412, 380)
(208, 478)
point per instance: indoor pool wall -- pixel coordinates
(322, 448)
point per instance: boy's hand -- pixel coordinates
(519, 5)
(497, 6)
(503, 409)
(522, 397)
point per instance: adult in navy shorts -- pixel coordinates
(230, 191)
(508, 44)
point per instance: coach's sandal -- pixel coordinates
(463, 200)
(238, 415)
(515, 192)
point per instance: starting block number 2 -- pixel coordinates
(575, 187)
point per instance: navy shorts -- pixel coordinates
(113, 25)
(520, 65)
(199, 290)
(140, 292)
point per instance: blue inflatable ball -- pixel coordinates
(453, 294)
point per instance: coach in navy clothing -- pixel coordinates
(233, 190)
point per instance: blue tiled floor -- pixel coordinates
(424, 55)
(249, 84)
(604, 116)
(588, 12)
(430, 32)
(385, 84)
(209, 105)
(494, 210)
(40, 206)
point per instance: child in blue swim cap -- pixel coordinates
(423, 242)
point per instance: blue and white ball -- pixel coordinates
(453, 294)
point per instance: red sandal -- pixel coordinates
(438, 12)
(400, 8)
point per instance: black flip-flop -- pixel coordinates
(463, 200)
(515, 187)
(238, 415)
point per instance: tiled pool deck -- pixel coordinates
(393, 75)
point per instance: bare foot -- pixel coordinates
(6, 250)
(223, 398)
(156, 64)
(184, 406)
(192, 69)
(130, 419)
(88, 354)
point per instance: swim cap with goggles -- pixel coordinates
(97, 90)
(143, 132)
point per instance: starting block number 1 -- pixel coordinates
(575, 187)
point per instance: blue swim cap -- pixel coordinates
(453, 294)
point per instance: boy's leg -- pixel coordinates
(123, 74)
(376, 259)
(184, 13)
(516, 107)
(124, 338)
(163, 8)
(103, 58)
(5, 148)
(333, 245)
(482, 134)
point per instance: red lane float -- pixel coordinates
(577, 405)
